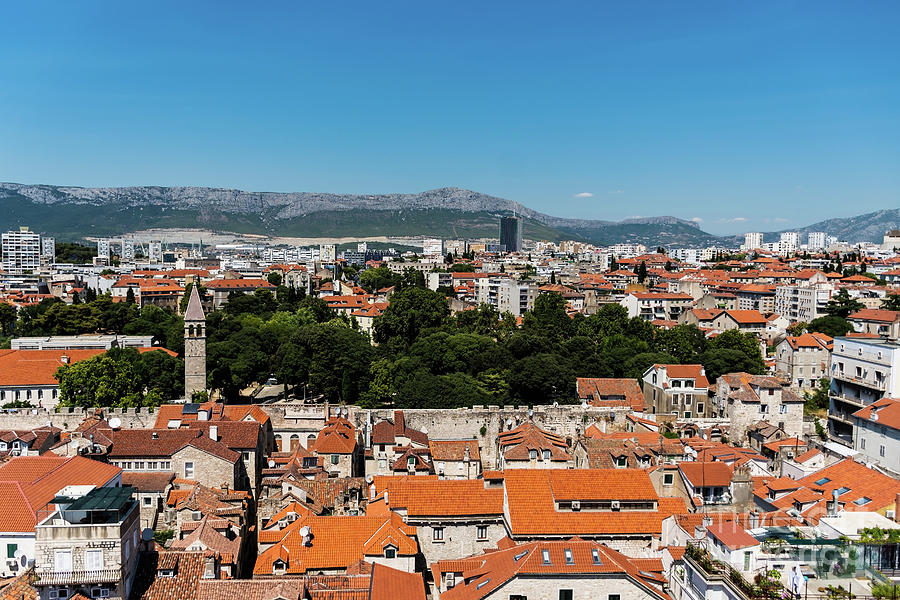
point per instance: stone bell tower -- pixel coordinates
(194, 345)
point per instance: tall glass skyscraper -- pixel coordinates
(511, 233)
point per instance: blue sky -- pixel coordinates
(749, 116)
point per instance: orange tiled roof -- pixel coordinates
(427, 496)
(338, 436)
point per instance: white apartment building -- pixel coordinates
(432, 247)
(753, 240)
(21, 251)
(48, 249)
(506, 294)
(876, 434)
(803, 302)
(789, 242)
(816, 240)
(154, 251)
(103, 248)
(327, 253)
(862, 372)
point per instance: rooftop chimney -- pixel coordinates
(214, 433)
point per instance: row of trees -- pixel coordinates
(424, 356)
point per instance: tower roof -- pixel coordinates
(194, 310)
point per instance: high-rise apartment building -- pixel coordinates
(789, 242)
(511, 233)
(816, 240)
(21, 251)
(154, 251)
(753, 240)
(48, 249)
(127, 250)
(103, 248)
(327, 253)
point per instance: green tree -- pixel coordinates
(7, 318)
(548, 318)
(274, 278)
(830, 326)
(891, 302)
(129, 296)
(412, 310)
(372, 280)
(108, 379)
(642, 272)
(842, 305)
(817, 399)
(797, 328)
(462, 268)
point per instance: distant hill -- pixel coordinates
(75, 212)
(869, 227)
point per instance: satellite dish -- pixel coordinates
(874, 416)
(147, 534)
(115, 422)
(305, 531)
(271, 463)
(346, 412)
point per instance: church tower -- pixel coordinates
(194, 345)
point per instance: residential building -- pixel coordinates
(746, 321)
(730, 543)
(803, 359)
(752, 240)
(746, 399)
(28, 485)
(103, 249)
(876, 434)
(610, 393)
(48, 249)
(789, 242)
(220, 289)
(506, 294)
(327, 253)
(752, 296)
(88, 539)
(432, 247)
(397, 448)
(329, 545)
(85, 341)
(876, 321)
(455, 459)
(678, 390)
(452, 518)
(816, 240)
(862, 371)
(336, 443)
(652, 305)
(28, 442)
(21, 252)
(804, 302)
(707, 483)
(564, 569)
(530, 447)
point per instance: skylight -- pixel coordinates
(862, 501)
(570, 560)
(519, 556)
(482, 584)
(822, 481)
(842, 490)
(595, 553)
(545, 556)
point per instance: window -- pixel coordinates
(595, 555)
(62, 561)
(546, 455)
(570, 559)
(621, 461)
(613, 597)
(11, 550)
(532, 454)
(822, 481)
(763, 409)
(246, 456)
(545, 557)
(669, 479)
(188, 470)
(862, 443)
(411, 462)
(842, 490)
(700, 408)
(481, 532)
(687, 414)
(93, 560)
(148, 501)
(382, 463)
(437, 534)
(99, 593)
(565, 594)
(881, 450)
(390, 552)
(335, 459)
(862, 501)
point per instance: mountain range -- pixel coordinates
(77, 212)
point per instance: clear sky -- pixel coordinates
(747, 115)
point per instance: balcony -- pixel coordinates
(53, 577)
(872, 384)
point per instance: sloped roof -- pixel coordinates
(885, 412)
(516, 444)
(706, 474)
(603, 391)
(338, 436)
(428, 496)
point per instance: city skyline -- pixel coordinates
(750, 118)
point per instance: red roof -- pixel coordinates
(732, 535)
(602, 392)
(337, 437)
(885, 412)
(706, 474)
(878, 315)
(38, 367)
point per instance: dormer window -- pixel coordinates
(166, 573)
(546, 455)
(279, 567)
(533, 454)
(621, 462)
(390, 552)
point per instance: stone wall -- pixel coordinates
(68, 418)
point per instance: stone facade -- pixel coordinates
(748, 399)
(194, 346)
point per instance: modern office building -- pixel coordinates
(511, 233)
(21, 251)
